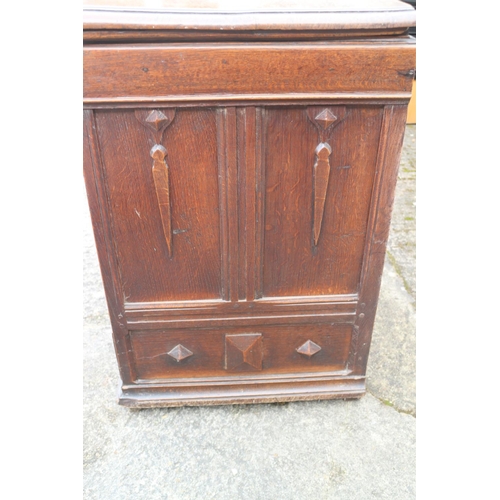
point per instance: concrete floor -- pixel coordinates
(342, 450)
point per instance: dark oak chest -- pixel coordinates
(240, 168)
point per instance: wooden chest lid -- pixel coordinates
(157, 20)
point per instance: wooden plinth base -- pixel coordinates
(221, 392)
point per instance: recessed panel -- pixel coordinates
(240, 350)
(164, 208)
(318, 173)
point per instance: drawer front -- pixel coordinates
(240, 351)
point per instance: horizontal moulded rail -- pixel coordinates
(138, 72)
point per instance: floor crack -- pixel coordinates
(399, 272)
(386, 402)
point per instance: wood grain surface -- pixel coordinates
(148, 273)
(292, 266)
(160, 70)
(209, 350)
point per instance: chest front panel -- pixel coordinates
(291, 259)
(241, 197)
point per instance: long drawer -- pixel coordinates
(244, 351)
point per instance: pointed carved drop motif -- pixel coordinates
(244, 352)
(326, 120)
(179, 352)
(308, 349)
(321, 174)
(160, 177)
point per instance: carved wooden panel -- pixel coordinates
(220, 351)
(165, 219)
(319, 166)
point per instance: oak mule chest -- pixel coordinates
(240, 163)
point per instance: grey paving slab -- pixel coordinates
(391, 374)
(401, 248)
(319, 450)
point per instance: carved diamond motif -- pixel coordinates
(157, 119)
(308, 349)
(179, 352)
(325, 118)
